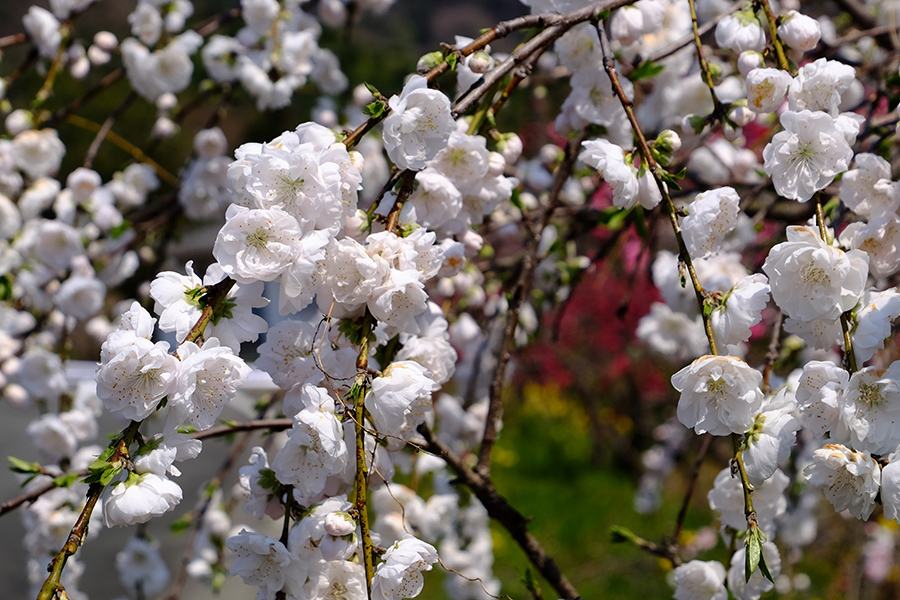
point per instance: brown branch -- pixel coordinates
(501, 511)
(772, 352)
(406, 187)
(692, 483)
(517, 297)
(12, 40)
(105, 129)
(557, 23)
(256, 425)
(80, 101)
(11, 505)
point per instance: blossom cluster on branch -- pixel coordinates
(396, 250)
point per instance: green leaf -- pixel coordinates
(375, 109)
(613, 218)
(109, 474)
(181, 524)
(603, 14)
(66, 480)
(17, 465)
(148, 446)
(697, 123)
(451, 59)
(646, 70)
(764, 568)
(372, 89)
(620, 535)
(516, 200)
(753, 551)
(267, 479)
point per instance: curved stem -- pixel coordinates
(849, 354)
(362, 472)
(518, 295)
(52, 586)
(783, 63)
(718, 109)
(658, 173)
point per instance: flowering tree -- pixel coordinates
(400, 248)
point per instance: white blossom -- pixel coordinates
(766, 89)
(38, 152)
(868, 190)
(811, 279)
(710, 217)
(771, 438)
(315, 446)
(699, 580)
(874, 316)
(818, 392)
(142, 569)
(807, 155)
(257, 245)
(799, 31)
(818, 86)
(727, 497)
(208, 378)
(399, 399)
(609, 160)
(135, 374)
(139, 499)
(850, 480)
(741, 310)
(890, 486)
(879, 239)
(672, 333)
(44, 30)
(740, 31)
(399, 575)
(265, 562)
(719, 395)
(869, 407)
(419, 124)
(81, 297)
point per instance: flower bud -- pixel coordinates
(166, 101)
(429, 61)
(730, 133)
(106, 40)
(332, 12)
(749, 60)
(741, 115)
(97, 55)
(693, 124)
(799, 31)
(551, 154)
(668, 141)
(18, 121)
(510, 146)
(339, 524)
(740, 31)
(480, 62)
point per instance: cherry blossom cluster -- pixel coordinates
(354, 259)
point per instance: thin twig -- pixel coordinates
(705, 442)
(559, 23)
(518, 295)
(105, 129)
(255, 425)
(11, 505)
(501, 511)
